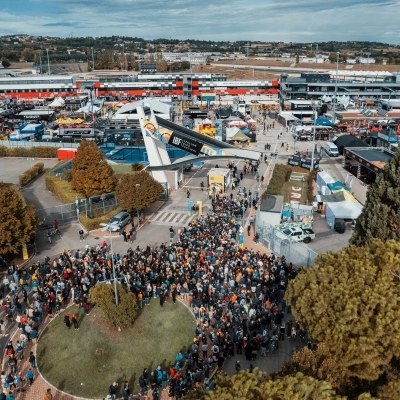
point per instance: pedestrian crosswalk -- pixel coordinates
(171, 218)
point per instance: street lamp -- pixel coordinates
(314, 105)
(335, 97)
(137, 185)
(108, 228)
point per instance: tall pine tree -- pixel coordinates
(380, 217)
(91, 173)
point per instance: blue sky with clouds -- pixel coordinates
(265, 20)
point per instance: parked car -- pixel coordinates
(300, 235)
(119, 221)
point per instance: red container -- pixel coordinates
(66, 153)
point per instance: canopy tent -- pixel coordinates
(239, 136)
(58, 102)
(237, 123)
(342, 210)
(330, 198)
(89, 108)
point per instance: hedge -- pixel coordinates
(281, 175)
(94, 223)
(61, 188)
(31, 174)
(38, 152)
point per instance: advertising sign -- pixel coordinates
(185, 143)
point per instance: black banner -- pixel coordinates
(183, 142)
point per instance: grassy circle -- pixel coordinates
(85, 362)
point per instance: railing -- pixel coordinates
(281, 245)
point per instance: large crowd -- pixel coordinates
(236, 295)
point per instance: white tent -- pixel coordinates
(342, 210)
(58, 102)
(89, 108)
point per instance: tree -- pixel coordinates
(319, 364)
(105, 60)
(380, 217)
(91, 173)
(133, 197)
(350, 301)
(28, 54)
(18, 221)
(5, 63)
(258, 386)
(117, 315)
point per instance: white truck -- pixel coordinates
(331, 149)
(300, 235)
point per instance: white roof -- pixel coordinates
(345, 209)
(155, 104)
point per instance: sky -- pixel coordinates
(263, 20)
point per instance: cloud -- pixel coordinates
(266, 20)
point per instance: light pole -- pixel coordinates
(314, 106)
(48, 62)
(92, 60)
(335, 96)
(108, 228)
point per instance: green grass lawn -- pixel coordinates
(121, 169)
(85, 362)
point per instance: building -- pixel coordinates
(148, 68)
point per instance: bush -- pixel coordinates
(34, 152)
(94, 223)
(137, 167)
(118, 315)
(281, 175)
(61, 188)
(3, 151)
(31, 174)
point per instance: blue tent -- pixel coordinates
(324, 122)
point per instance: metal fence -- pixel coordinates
(67, 213)
(64, 214)
(27, 143)
(297, 253)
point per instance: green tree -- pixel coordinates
(350, 301)
(18, 221)
(258, 386)
(120, 315)
(380, 217)
(91, 173)
(5, 63)
(134, 197)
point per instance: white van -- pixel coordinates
(331, 149)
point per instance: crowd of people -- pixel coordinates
(235, 294)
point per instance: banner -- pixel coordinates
(185, 143)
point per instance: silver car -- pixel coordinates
(119, 221)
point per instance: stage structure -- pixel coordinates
(158, 132)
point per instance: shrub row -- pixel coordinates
(38, 152)
(61, 188)
(94, 223)
(281, 175)
(31, 174)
